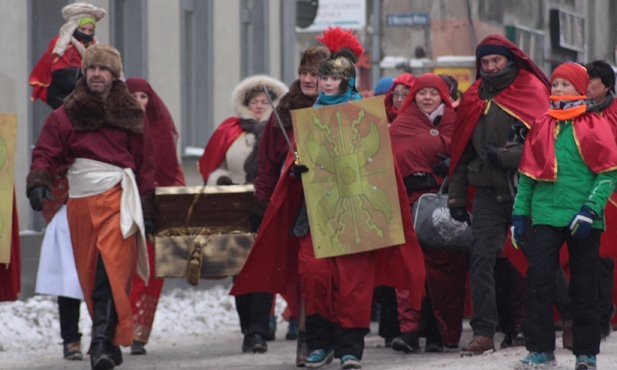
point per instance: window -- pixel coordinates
(197, 74)
(531, 41)
(129, 35)
(254, 33)
(567, 30)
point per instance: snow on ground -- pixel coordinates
(31, 328)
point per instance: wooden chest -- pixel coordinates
(218, 221)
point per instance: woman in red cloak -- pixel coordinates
(144, 297)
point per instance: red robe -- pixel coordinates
(217, 146)
(273, 261)
(416, 142)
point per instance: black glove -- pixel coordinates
(224, 181)
(298, 169)
(442, 169)
(150, 226)
(36, 197)
(492, 155)
(460, 214)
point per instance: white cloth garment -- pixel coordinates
(57, 274)
(88, 177)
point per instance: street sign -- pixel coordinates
(408, 20)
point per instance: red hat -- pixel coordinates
(575, 73)
(429, 80)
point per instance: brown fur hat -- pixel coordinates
(311, 58)
(104, 56)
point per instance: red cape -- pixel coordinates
(40, 77)
(592, 133)
(526, 99)
(217, 146)
(272, 264)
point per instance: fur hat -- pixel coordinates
(252, 85)
(73, 13)
(311, 58)
(105, 56)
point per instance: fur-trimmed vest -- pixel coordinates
(89, 112)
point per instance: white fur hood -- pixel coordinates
(275, 87)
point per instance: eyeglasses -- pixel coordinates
(397, 95)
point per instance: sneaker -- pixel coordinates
(72, 351)
(478, 346)
(271, 328)
(138, 348)
(512, 340)
(350, 362)
(319, 358)
(388, 342)
(538, 360)
(408, 342)
(585, 363)
(292, 329)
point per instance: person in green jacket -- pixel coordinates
(564, 187)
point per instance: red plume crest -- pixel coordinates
(336, 38)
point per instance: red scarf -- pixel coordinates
(592, 133)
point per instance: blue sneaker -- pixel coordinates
(292, 329)
(585, 363)
(350, 362)
(539, 360)
(319, 358)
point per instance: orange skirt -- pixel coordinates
(95, 229)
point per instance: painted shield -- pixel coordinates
(8, 132)
(350, 188)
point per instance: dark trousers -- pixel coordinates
(388, 312)
(510, 296)
(68, 309)
(543, 256)
(321, 334)
(254, 312)
(562, 300)
(605, 290)
(491, 221)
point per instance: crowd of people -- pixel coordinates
(528, 162)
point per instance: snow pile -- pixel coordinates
(33, 325)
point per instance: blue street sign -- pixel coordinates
(407, 20)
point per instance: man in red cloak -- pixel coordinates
(493, 118)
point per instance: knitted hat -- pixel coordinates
(575, 73)
(73, 13)
(383, 85)
(489, 49)
(104, 56)
(311, 58)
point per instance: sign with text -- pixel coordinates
(350, 14)
(408, 20)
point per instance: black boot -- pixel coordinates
(104, 322)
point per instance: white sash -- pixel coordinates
(88, 177)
